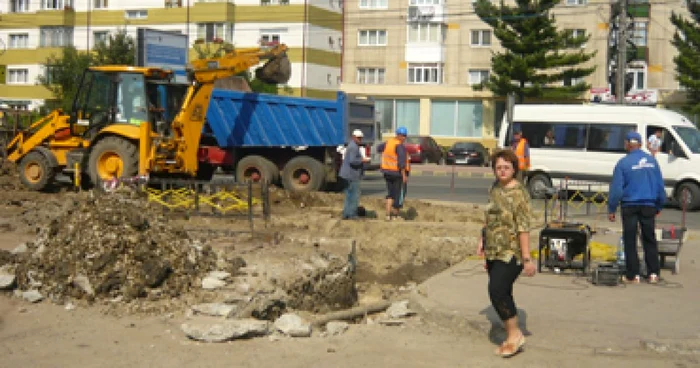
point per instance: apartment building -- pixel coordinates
(32, 30)
(424, 60)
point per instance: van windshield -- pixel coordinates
(689, 135)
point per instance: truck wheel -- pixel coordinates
(690, 194)
(303, 174)
(112, 158)
(256, 168)
(36, 172)
(538, 184)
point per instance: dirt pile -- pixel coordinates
(9, 178)
(112, 246)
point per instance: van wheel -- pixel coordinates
(538, 184)
(688, 194)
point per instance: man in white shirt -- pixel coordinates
(654, 141)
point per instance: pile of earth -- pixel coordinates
(9, 178)
(111, 246)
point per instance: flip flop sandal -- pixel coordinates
(508, 350)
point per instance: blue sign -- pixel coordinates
(162, 49)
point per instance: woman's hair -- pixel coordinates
(507, 155)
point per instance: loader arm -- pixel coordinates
(36, 134)
(178, 153)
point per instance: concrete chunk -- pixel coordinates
(226, 330)
(293, 325)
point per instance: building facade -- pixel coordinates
(31, 31)
(424, 60)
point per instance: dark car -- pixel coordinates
(467, 153)
(424, 149)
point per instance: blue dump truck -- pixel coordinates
(281, 139)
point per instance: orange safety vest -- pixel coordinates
(390, 160)
(523, 162)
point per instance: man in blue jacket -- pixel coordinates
(351, 173)
(638, 186)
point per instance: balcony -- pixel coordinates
(426, 13)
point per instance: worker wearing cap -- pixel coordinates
(522, 151)
(394, 168)
(638, 187)
(350, 175)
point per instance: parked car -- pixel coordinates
(424, 149)
(467, 153)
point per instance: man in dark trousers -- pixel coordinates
(351, 173)
(638, 186)
(394, 168)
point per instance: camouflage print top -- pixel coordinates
(508, 213)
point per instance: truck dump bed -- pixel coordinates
(241, 119)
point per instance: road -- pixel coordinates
(475, 190)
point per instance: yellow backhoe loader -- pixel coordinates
(127, 121)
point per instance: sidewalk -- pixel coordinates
(566, 314)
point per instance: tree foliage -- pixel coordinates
(687, 42)
(537, 58)
(63, 75)
(120, 49)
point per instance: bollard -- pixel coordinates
(250, 205)
(76, 176)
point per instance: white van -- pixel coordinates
(588, 140)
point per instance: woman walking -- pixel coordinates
(505, 243)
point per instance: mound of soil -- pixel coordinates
(9, 179)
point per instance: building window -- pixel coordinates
(425, 32)
(55, 4)
(17, 76)
(425, 2)
(456, 118)
(56, 36)
(19, 6)
(173, 3)
(19, 41)
(136, 14)
(374, 4)
(638, 35)
(481, 37)
(370, 75)
(576, 2)
(570, 82)
(272, 36)
(274, 2)
(102, 4)
(100, 37)
(394, 113)
(478, 76)
(208, 32)
(576, 33)
(372, 37)
(430, 73)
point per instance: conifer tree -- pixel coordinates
(687, 42)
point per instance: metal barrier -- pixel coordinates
(576, 198)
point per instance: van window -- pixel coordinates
(608, 137)
(691, 137)
(572, 136)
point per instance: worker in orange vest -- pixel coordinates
(522, 151)
(394, 167)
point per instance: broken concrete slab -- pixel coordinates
(399, 310)
(212, 283)
(334, 328)
(214, 309)
(292, 325)
(7, 277)
(32, 296)
(83, 283)
(225, 330)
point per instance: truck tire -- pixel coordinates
(537, 184)
(36, 171)
(692, 199)
(257, 169)
(303, 174)
(113, 158)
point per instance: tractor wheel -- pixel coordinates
(303, 174)
(36, 172)
(113, 158)
(256, 168)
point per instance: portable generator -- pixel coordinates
(561, 244)
(606, 274)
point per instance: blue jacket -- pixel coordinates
(351, 169)
(637, 181)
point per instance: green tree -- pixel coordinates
(537, 57)
(120, 49)
(60, 77)
(687, 42)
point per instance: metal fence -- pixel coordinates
(575, 198)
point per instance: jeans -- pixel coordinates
(502, 276)
(645, 216)
(352, 198)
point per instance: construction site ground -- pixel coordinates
(428, 260)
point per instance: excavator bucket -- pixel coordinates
(277, 70)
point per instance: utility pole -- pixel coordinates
(621, 69)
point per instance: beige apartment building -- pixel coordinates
(422, 61)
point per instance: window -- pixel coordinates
(576, 2)
(576, 33)
(372, 37)
(274, 2)
(374, 4)
(210, 31)
(426, 32)
(425, 73)
(272, 36)
(101, 4)
(50, 72)
(478, 76)
(55, 4)
(19, 41)
(607, 137)
(173, 3)
(405, 112)
(136, 14)
(17, 76)
(100, 37)
(481, 37)
(370, 75)
(56, 36)
(456, 118)
(425, 2)
(570, 82)
(19, 6)
(562, 135)
(638, 35)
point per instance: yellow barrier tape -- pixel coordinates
(222, 201)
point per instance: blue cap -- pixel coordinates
(633, 137)
(401, 131)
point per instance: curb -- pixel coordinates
(449, 173)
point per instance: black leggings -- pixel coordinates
(502, 276)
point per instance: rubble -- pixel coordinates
(7, 277)
(214, 309)
(293, 325)
(32, 296)
(226, 330)
(399, 310)
(334, 328)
